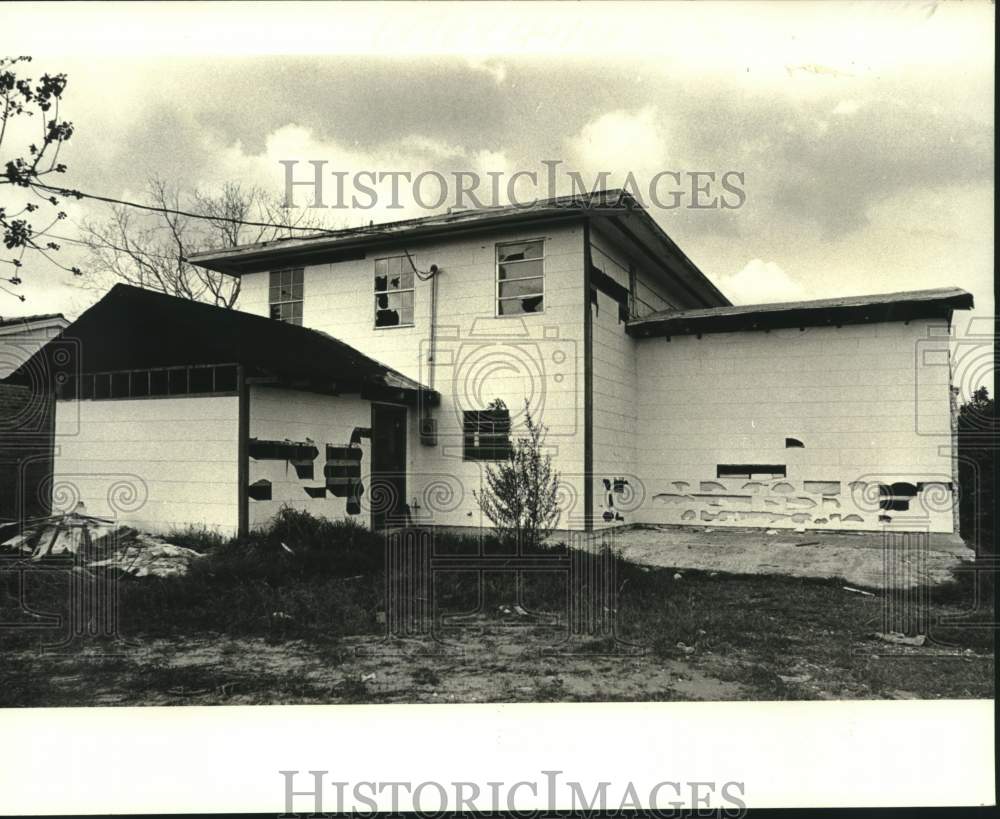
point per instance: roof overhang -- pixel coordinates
(46, 325)
(134, 329)
(917, 304)
(615, 210)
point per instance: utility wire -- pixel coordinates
(156, 209)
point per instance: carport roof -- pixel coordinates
(132, 328)
(913, 304)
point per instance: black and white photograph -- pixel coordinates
(399, 358)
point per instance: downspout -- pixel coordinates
(433, 350)
(431, 274)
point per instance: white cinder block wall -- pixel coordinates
(157, 463)
(479, 356)
(279, 414)
(870, 403)
(618, 488)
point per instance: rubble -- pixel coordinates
(900, 639)
(93, 542)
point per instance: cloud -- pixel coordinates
(620, 142)
(846, 107)
(760, 282)
(496, 70)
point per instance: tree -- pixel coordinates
(149, 248)
(521, 495)
(977, 440)
(22, 98)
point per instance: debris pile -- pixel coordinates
(95, 542)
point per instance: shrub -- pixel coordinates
(521, 495)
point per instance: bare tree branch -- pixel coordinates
(151, 249)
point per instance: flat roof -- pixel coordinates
(615, 208)
(901, 306)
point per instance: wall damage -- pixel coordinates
(862, 504)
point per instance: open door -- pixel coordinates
(388, 483)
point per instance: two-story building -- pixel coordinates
(364, 373)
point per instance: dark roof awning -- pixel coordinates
(132, 329)
(905, 306)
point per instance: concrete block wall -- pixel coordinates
(870, 404)
(278, 414)
(158, 464)
(480, 357)
(616, 486)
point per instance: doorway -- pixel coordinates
(388, 490)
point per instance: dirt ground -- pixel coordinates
(859, 558)
(495, 663)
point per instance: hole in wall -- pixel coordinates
(896, 497)
(260, 490)
(793, 443)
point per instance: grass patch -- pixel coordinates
(319, 582)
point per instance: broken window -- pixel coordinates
(286, 294)
(520, 278)
(486, 433)
(751, 471)
(393, 292)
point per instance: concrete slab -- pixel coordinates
(875, 560)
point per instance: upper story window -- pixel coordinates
(285, 296)
(520, 278)
(393, 292)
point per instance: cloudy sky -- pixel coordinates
(865, 132)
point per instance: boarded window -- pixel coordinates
(520, 278)
(751, 471)
(286, 294)
(486, 434)
(393, 292)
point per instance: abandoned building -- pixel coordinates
(362, 374)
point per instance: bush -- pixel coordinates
(521, 497)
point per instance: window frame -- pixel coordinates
(497, 280)
(403, 260)
(292, 301)
(474, 452)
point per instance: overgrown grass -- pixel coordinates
(319, 582)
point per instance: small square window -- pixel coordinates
(486, 434)
(158, 382)
(102, 385)
(178, 380)
(120, 385)
(140, 383)
(225, 378)
(202, 379)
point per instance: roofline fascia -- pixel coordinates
(801, 317)
(256, 259)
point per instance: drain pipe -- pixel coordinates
(428, 432)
